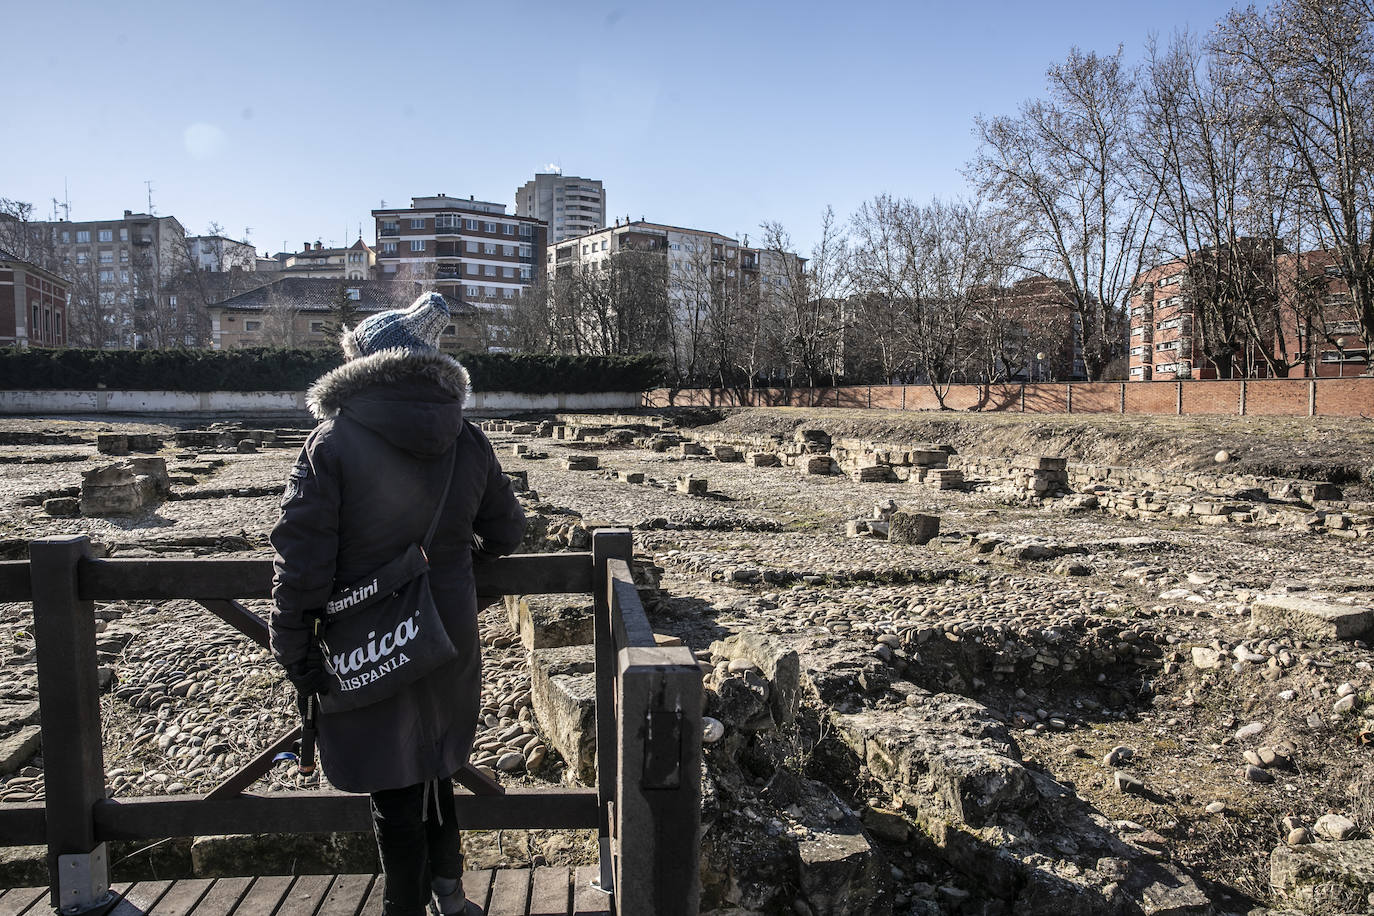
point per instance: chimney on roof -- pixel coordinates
(305, 246)
(318, 245)
(472, 197)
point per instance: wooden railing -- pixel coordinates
(645, 806)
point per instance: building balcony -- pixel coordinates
(448, 275)
(392, 232)
(448, 230)
(143, 240)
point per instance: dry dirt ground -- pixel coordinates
(1185, 587)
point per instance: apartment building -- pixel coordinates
(118, 271)
(217, 254)
(571, 206)
(470, 250)
(296, 311)
(699, 266)
(352, 263)
(1034, 330)
(1308, 313)
(33, 304)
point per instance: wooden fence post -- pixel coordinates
(73, 759)
(606, 544)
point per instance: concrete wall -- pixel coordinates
(1327, 397)
(248, 403)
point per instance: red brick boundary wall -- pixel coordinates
(1327, 397)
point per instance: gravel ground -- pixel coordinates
(189, 698)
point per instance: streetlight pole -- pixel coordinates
(1340, 356)
(1039, 373)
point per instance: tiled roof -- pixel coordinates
(318, 294)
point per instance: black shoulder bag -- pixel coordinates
(384, 632)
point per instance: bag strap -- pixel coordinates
(443, 497)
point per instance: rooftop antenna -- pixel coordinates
(66, 201)
(247, 231)
(149, 185)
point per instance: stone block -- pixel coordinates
(62, 506)
(1040, 463)
(691, 449)
(630, 476)
(912, 527)
(520, 449)
(813, 441)
(581, 463)
(19, 748)
(1312, 617)
(763, 460)
(929, 458)
(246, 446)
(563, 694)
(550, 621)
(778, 663)
(692, 486)
(519, 480)
(945, 478)
(108, 475)
(120, 499)
(154, 469)
(877, 473)
(145, 442)
(726, 453)
(1325, 877)
(819, 464)
(111, 444)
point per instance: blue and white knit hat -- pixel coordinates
(416, 328)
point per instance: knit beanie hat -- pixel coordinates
(416, 328)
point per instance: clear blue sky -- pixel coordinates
(296, 119)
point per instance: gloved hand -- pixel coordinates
(309, 675)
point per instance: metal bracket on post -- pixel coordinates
(83, 882)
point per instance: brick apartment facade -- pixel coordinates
(470, 250)
(33, 305)
(1036, 331)
(1315, 323)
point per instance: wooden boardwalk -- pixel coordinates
(544, 891)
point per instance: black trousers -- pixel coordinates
(417, 839)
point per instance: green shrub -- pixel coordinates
(263, 369)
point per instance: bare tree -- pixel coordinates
(808, 299)
(1059, 170)
(279, 316)
(1306, 67)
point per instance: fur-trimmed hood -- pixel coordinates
(414, 398)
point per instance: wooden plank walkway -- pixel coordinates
(543, 891)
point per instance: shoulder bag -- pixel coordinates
(384, 632)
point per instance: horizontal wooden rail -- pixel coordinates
(155, 817)
(212, 579)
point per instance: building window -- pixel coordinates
(172, 301)
(123, 234)
(83, 236)
(1135, 330)
(489, 248)
(491, 292)
(508, 250)
(124, 256)
(508, 228)
(474, 269)
(390, 227)
(490, 270)
(81, 257)
(105, 235)
(33, 329)
(526, 251)
(508, 272)
(107, 276)
(124, 277)
(417, 244)
(66, 237)
(57, 326)
(474, 292)
(525, 273)
(508, 293)
(471, 225)
(584, 249)
(526, 231)
(447, 221)
(488, 227)
(388, 247)
(317, 327)
(417, 224)
(472, 247)
(107, 257)
(355, 294)
(251, 325)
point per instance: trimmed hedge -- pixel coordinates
(263, 369)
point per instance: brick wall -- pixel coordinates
(1349, 397)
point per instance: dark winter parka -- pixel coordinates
(365, 486)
